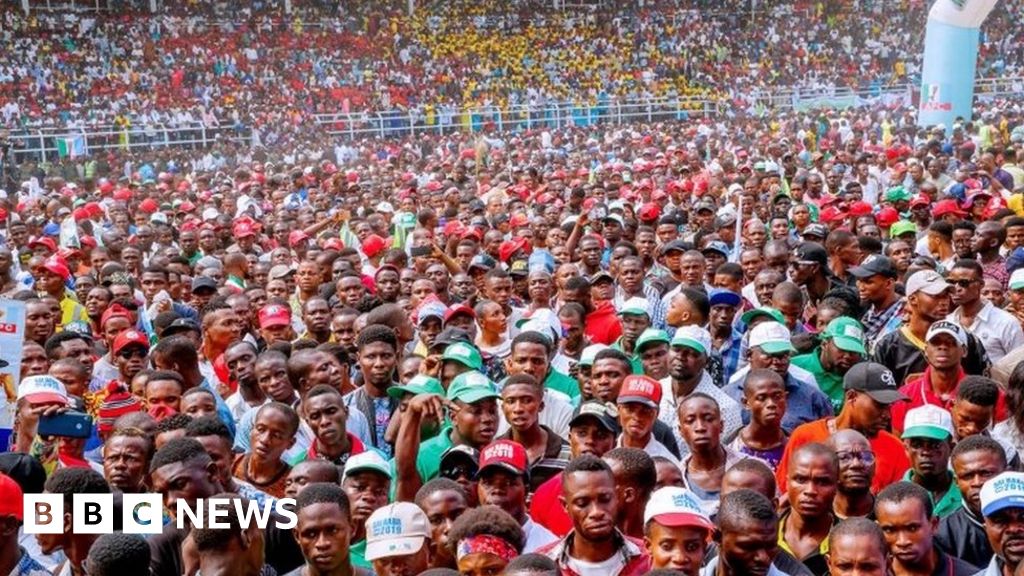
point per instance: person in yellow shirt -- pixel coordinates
(51, 279)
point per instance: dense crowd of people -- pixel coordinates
(788, 345)
(211, 64)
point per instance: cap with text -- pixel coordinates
(874, 380)
(505, 455)
(946, 327)
(398, 529)
(676, 507)
(1004, 491)
(639, 389)
(928, 421)
(771, 338)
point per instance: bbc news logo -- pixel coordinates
(143, 513)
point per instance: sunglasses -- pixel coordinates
(133, 353)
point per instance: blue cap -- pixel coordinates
(721, 296)
(51, 229)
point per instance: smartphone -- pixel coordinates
(420, 251)
(68, 425)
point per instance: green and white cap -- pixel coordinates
(470, 387)
(369, 461)
(420, 384)
(589, 353)
(771, 338)
(651, 336)
(635, 307)
(928, 421)
(846, 333)
(693, 337)
(465, 354)
(1017, 279)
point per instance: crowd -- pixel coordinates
(208, 63)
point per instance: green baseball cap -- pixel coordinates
(763, 312)
(471, 387)
(897, 194)
(694, 338)
(589, 353)
(902, 227)
(928, 421)
(635, 307)
(420, 384)
(846, 333)
(465, 354)
(407, 220)
(651, 336)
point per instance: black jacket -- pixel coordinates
(961, 535)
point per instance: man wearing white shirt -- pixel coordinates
(691, 346)
(999, 331)
(639, 402)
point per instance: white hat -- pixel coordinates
(210, 214)
(42, 390)
(635, 307)
(947, 327)
(693, 337)
(1017, 279)
(369, 460)
(385, 207)
(927, 281)
(674, 506)
(397, 529)
(158, 217)
(1004, 491)
(543, 321)
(590, 352)
(928, 421)
(771, 337)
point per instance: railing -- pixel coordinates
(39, 142)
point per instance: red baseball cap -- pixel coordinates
(274, 315)
(458, 309)
(149, 206)
(640, 390)
(519, 220)
(11, 498)
(127, 338)
(944, 207)
(296, 237)
(887, 217)
(56, 265)
(649, 212)
(243, 229)
(334, 244)
(920, 200)
(505, 454)
(372, 245)
(48, 243)
(860, 209)
(831, 214)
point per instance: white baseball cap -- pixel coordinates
(397, 529)
(42, 390)
(674, 506)
(927, 281)
(947, 327)
(771, 337)
(693, 337)
(928, 421)
(1017, 279)
(635, 307)
(1004, 491)
(367, 461)
(590, 352)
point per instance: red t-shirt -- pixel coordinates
(602, 325)
(891, 461)
(920, 392)
(546, 510)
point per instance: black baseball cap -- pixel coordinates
(25, 470)
(203, 283)
(875, 265)
(811, 253)
(874, 380)
(606, 414)
(818, 230)
(180, 325)
(674, 246)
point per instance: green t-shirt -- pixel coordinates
(564, 384)
(829, 383)
(634, 359)
(357, 555)
(428, 461)
(949, 502)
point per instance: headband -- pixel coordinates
(485, 544)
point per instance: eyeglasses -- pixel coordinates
(865, 457)
(459, 471)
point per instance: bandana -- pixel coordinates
(485, 544)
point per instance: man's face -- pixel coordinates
(1005, 531)
(367, 491)
(79, 350)
(943, 352)
(38, 322)
(778, 363)
(477, 423)
(929, 458)
(130, 360)
(590, 253)
(908, 530)
(388, 285)
(521, 405)
(856, 555)
(499, 290)
(654, 358)
(700, 424)
(241, 361)
(323, 532)
(589, 498)
(271, 435)
(972, 470)
(224, 328)
(856, 464)
(378, 362)
(317, 316)
(606, 378)
(187, 481)
(811, 485)
(326, 415)
(125, 461)
(164, 393)
(750, 547)
(590, 437)
(637, 420)
(678, 548)
(503, 489)
(970, 418)
(966, 286)
(343, 330)
(442, 508)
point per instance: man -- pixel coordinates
(367, 481)
(323, 408)
(904, 513)
(857, 549)
(690, 350)
(676, 531)
(53, 274)
(316, 315)
(635, 318)
(182, 469)
(635, 478)
(398, 540)
(126, 455)
(588, 495)
(747, 536)
(808, 268)
(870, 391)
(813, 474)
(945, 349)
(976, 460)
(378, 357)
(130, 353)
(12, 555)
(856, 472)
(928, 301)
(240, 358)
(67, 482)
(1002, 504)
(522, 398)
(652, 348)
(999, 331)
(989, 237)
(234, 550)
(725, 338)
(531, 353)
(275, 324)
(502, 478)
(770, 347)
(842, 346)
(113, 554)
(928, 436)
(638, 403)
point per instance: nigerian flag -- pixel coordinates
(71, 146)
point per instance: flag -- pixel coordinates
(349, 239)
(69, 233)
(71, 146)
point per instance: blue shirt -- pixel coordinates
(804, 402)
(730, 352)
(222, 409)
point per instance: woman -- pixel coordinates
(484, 540)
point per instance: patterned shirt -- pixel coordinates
(658, 310)
(879, 323)
(27, 566)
